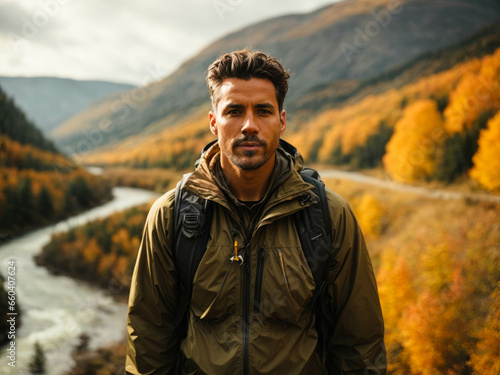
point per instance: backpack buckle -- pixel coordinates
(191, 220)
(191, 224)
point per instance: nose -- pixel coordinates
(249, 125)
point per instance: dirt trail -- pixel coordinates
(388, 184)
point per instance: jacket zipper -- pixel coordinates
(246, 311)
(246, 297)
(258, 281)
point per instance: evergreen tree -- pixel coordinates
(371, 153)
(45, 206)
(459, 149)
(37, 364)
(26, 200)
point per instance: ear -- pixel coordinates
(283, 122)
(213, 123)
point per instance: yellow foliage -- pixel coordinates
(485, 360)
(369, 214)
(106, 263)
(410, 153)
(437, 270)
(476, 92)
(15, 154)
(435, 331)
(486, 168)
(120, 238)
(168, 148)
(91, 251)
(396, 291)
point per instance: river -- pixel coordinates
(57, 309)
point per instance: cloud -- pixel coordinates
(32, 22)
(121, 39)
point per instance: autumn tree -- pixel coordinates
(437, 332)
(412, 150)
(369, 213)
(397, 295)
(474, 94)
(459, 148)
(485, 360)
(486, 168)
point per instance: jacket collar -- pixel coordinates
(286, 184)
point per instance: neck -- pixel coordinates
(248, 185)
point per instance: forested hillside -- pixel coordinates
(37, 183)
(425, 130)
(15, 125)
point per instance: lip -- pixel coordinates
(250, 145)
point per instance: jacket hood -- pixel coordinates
(203, 180)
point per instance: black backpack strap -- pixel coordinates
(314, 228)
(192, 221)
(315, 231)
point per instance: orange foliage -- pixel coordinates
(476, 92)
(175, 147)
(91, 251)
(435, 331)
(106, 263)
(369, 213)
(412, 149)
(351, 125)
(437, 263)
(101, 251)
(120, 266)
(396, 291)
(16, 155)
(485, 360)
(486, 168)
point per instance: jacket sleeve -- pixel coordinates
(356, 343)
(152, 345)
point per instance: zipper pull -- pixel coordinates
(236, 257)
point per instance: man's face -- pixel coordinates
(247, 122)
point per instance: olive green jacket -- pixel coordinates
(254, 318)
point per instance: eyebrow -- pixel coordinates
(234, 106)
(264, 106)
(241, 106)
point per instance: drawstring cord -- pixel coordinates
(234, 258)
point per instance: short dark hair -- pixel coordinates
(246, 64)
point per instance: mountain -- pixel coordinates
(15, 126)
(49, 101)
(339, 47)
(38, 184)
(460, 80)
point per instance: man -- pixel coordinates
(254, 317)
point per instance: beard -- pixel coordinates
(251, 159)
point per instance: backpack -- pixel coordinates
(192, 223)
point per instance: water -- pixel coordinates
(57, 309)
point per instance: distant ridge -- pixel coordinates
(49, 101)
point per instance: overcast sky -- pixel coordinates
(130, 41)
